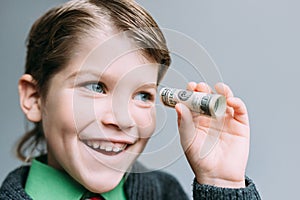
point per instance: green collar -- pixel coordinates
(45, 182)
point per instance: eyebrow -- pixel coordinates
(85, 73)
(97, 75)
(148, 85)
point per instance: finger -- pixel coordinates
(191, 86)
(203, 87)
(185, 125)
(223, 89)
(239, 108)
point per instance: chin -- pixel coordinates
(103, 182)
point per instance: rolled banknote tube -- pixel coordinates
(213, 105)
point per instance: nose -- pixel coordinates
(116, 114)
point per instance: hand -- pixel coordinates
(217, 149)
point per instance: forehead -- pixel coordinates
(114, 58)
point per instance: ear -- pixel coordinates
(30, 100)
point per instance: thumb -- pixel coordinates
(186, 125)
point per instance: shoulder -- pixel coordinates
(154, 176)
(13, 185)
(146, 184)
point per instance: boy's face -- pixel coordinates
(99, 114)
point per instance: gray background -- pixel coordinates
(255, 44)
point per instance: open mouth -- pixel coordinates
(107, 148)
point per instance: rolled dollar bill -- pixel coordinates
(213, 105)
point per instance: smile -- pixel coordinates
(105, 147)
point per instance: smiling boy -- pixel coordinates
(90, 84)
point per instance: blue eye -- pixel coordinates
(96, 87)
(143, 96)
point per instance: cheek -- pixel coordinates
(58, 117)
(145, 119)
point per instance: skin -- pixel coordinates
(87, 104)
(91, 100)
(225, 164)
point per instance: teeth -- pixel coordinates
(89, 143)
(123, 147)
(116, 149)
(109, 148)
(106, 147)
(102, 147)
(96, 145)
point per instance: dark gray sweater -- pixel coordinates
(138, 186)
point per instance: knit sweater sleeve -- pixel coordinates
(209, 192)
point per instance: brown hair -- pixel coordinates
(54, 36)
